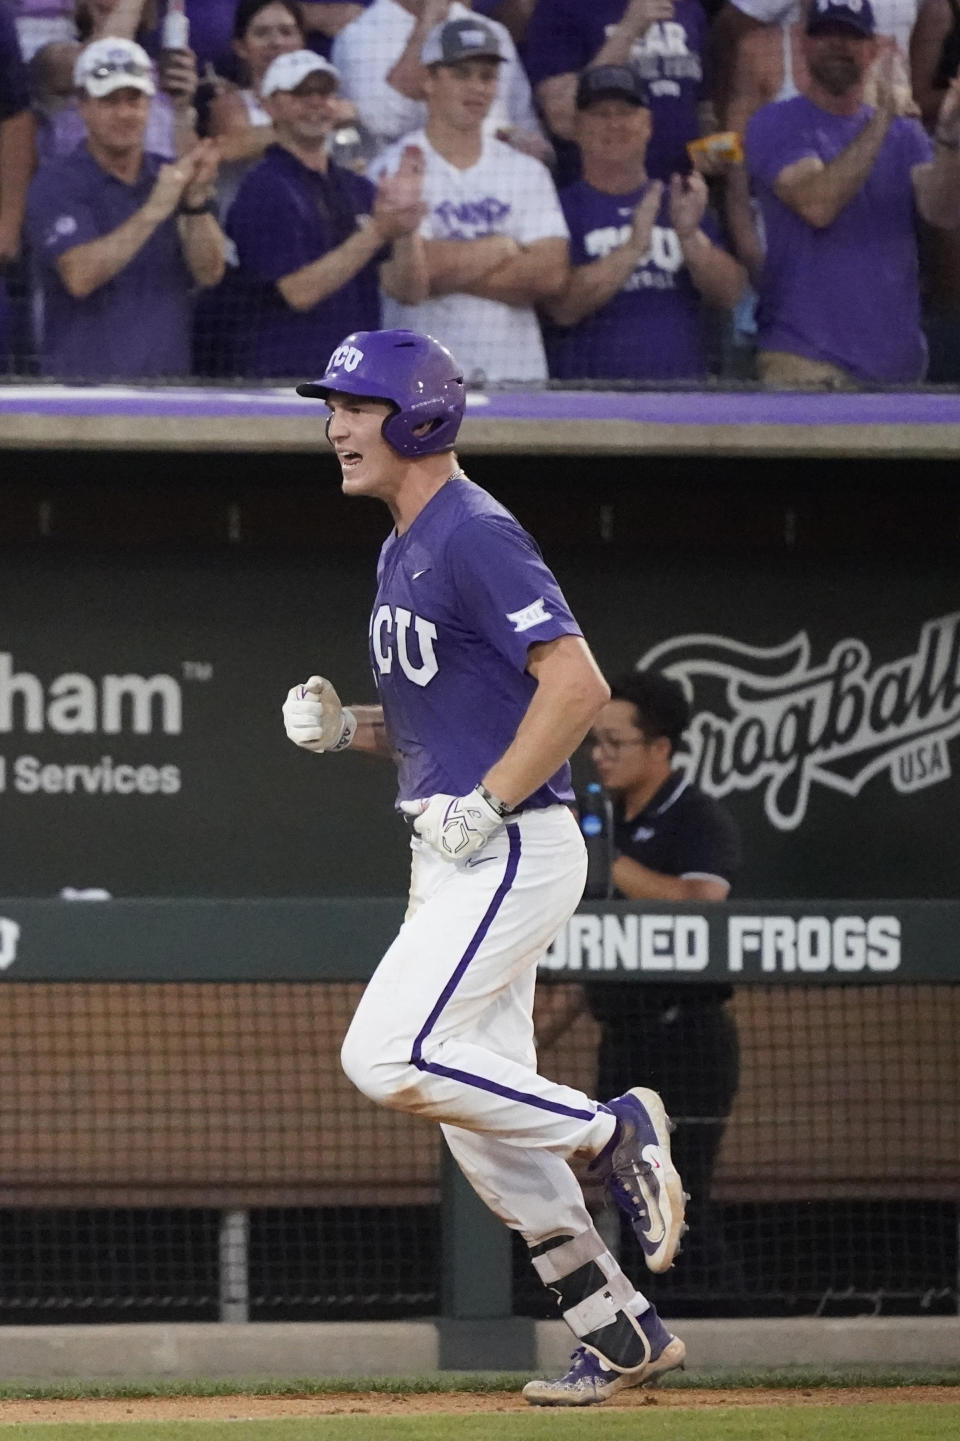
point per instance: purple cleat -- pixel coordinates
(590, 1381)
(640, 1176)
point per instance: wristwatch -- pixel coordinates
(206, 207)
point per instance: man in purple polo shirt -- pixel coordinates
(665, 41)
(485, 688)
(120, 238)
(645, 257)
(840, 184)
(315, 241)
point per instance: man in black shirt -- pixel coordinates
(672, 843)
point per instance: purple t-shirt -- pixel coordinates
(652, 329)
(849, 293)
(284, 217)
(565, 35)
(461, 597)
(14, 86)
(138, 324)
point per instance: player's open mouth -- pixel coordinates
(349, 458)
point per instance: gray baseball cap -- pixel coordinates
(610, 82)
(465, 39)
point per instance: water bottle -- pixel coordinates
(176, 27)
(596, 824)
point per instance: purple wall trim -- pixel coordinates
(481, 1082)
(653, 407)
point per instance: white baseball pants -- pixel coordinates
(445, 1027)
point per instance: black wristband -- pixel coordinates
(501, 807)
(208, 207)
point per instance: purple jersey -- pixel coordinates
(461, 597)
(652, 329)
(849, 293)
(564, 36)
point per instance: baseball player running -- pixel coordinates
(486, 686)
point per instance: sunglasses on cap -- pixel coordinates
(120, 67)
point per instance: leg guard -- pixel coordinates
(595, 1298)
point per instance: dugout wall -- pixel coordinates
(154, 611)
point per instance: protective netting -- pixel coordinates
(180, 1149)
(303, 219)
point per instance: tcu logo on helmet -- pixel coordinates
(345, 357)
(389, 636)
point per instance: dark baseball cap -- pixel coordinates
(610, 82)
(465, 39)
(856, 15)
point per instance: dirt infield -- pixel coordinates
(360, 1403)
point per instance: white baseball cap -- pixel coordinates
(113, 64)
(288, 71)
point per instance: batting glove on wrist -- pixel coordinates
(455, 826)
(314, 718)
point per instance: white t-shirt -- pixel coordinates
(895, 18)
(367, 49)
(505, 193)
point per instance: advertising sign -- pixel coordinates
(142, 750)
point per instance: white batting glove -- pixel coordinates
(455, 826)
(314, 718)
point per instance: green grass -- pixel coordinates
(877, 1422)
(470, 1382)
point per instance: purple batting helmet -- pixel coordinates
(413, 372)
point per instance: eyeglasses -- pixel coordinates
(613, 745)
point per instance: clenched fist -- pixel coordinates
(314, 718)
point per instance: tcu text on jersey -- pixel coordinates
(471, 219)
(654, 270)
(390, 636)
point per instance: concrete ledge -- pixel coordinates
(44, 1354)
(807, 1341)
(511, 421)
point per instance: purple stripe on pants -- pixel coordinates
(476, 940)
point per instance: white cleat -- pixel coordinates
(589, 1381)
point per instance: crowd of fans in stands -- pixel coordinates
(640, 191)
